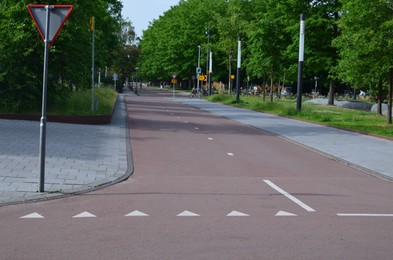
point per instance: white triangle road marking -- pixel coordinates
(136, 213)
(285, 214)
(187, 213)
(237, 214)
(85, 215)
(33, 215)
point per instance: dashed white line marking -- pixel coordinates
(187, 213)
(285, 214)
(211, 139)
(33, 215)
(230, 154)
(84, 215)
(237, 214)
(289, 196)
(196, 128)
(363, 215)
(136, 213)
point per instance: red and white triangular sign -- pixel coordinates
(58, 16)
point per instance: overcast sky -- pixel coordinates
(141, 12)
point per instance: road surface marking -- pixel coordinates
(84, 215)
(289, 196)
(136, 213)
(187, 213)
(33, 215)
(211, 139)
(363, 215)
(196, 128)
(285, 214)
(237, 214)
(230, 154)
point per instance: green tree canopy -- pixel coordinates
(21, 51)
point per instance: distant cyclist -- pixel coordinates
(193, 92)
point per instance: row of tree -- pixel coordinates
(348, 42)
(21, 51)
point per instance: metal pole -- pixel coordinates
(199, 67)
(300, 67)
(99, 77)
(207, 52)
(210, 72)
(44, 95)
(239, 62)
(92, 64)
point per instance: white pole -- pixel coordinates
(301, 59)
(239, 63)
(210, 71)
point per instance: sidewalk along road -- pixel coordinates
(369, 153)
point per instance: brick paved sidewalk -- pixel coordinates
(79, 158)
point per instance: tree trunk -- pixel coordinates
(331, 92)
(389, 117)
(379, 108)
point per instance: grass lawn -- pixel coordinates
(350, 119)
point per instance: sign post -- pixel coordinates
(115, 78)
(174, 82)
(49, 19)
(92, 25)
(199, 69)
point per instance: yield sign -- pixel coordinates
(58, 14)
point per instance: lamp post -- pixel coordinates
(239, 62)
(316, 84)
(208, 51)
(210, 72)
(300, 66)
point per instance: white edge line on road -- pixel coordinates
(363, 215)
(289, 196)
